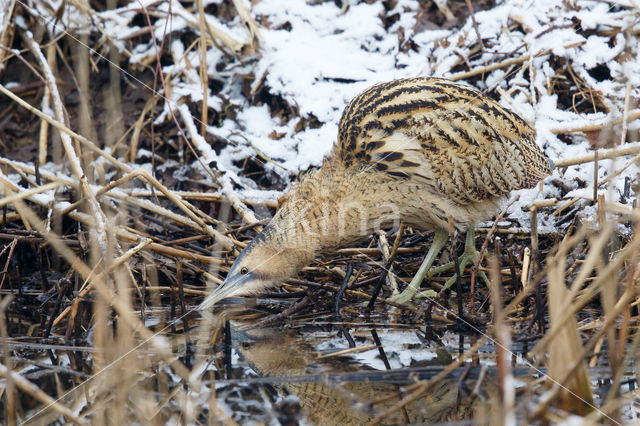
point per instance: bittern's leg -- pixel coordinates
(439, 240)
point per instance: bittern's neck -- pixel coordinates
(335, 206)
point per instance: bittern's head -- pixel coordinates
(262, 264)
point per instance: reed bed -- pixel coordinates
(119, 212)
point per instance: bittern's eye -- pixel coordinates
(244, 270)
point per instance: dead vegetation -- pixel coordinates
(114, 223)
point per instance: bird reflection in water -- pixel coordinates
(340, 389)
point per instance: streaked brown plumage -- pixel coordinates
(425, 151)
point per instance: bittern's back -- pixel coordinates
(447, 136)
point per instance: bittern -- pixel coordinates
(426, 152)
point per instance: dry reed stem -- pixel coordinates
(46, 105)
(11, 246)
(596, 127)
(558, 386)
(6, 29)
(203, 67)
(80, 58)
(488, 68)
(385, 251)
(132, 153)
(96, 21)
(9, 388)
(113, 117)
(74, 161)
(606, 154)
(200, 196)
(27, 193)
(502, 346)
(566, 347)
(347, 351)
(526, 262)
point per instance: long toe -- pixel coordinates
(403, 298)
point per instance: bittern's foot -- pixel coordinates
(470, 256)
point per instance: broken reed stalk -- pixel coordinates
(386, 268)
(533, 267)
(566, 348)
(502, 345)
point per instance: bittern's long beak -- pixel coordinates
(232, 286)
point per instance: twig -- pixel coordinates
(595, 127)
(343, 287)
(46, 105)
(607, 154)
(474, 22)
